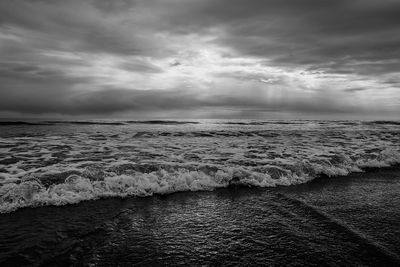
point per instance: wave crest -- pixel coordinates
(30, 192)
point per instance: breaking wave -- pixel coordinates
(140, 180)
(163, 122)
(66, 122)
(386, 122)
(85, 122)
(10, 123)
(260, 122)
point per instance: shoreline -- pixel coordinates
(395, 167)
(331, 212)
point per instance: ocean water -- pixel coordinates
(289, 193)
(59, 163)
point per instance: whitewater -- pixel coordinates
(66, 162)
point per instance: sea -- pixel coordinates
(199, 193)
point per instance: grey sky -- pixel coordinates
(200, 58)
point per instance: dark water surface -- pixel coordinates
(345, 221)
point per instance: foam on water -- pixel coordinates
(63, 166)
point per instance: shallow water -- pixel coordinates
(343, 221)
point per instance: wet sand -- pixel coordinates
(342, 221)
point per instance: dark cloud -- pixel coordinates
(115, 6)
(298, 32)
(31, 72)
(175, 63)
(140, 66)
(356, 89)
(72, 26)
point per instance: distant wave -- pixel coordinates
(164, 122)
(385, 122)
(85, 122)
(259, 122)
(10, 123)
(284, 122)
(141, 181)
(161, 122)
(242, 123)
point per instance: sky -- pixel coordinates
(200, 58)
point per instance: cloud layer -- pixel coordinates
(208, 58)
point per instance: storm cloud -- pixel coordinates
(205, 57)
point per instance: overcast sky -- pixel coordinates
(200, 58)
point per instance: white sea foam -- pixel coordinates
(65, 168)
(75, 188)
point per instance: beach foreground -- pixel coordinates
(341, 221)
